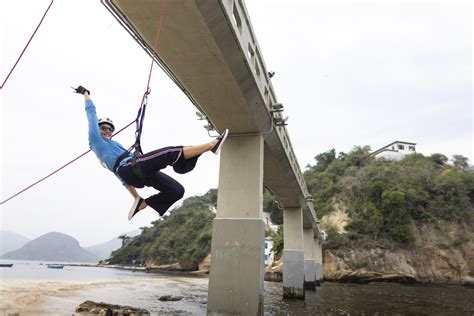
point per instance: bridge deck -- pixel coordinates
(210, 49)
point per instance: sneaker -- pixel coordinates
(135, 207)
(220, 140)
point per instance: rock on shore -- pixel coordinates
(435, 257)
(101, 308)
(274, 272)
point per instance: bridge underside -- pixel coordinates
(197, 42)
(209, 49)
(188, 47)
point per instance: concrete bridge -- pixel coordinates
(209, 49)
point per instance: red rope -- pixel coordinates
(163, 5)
(24, 49)
(57, 170)
(155, 46)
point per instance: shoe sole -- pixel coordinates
(134, 209)
(221, 142)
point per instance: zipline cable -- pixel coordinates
(138, 120)
(24, 49)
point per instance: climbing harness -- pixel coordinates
(138, 134)
(136, 149)
(24, 49)
(138, 121)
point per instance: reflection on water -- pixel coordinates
(373, 299)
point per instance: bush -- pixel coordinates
(334, 240)
(278, 241)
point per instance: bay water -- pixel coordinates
(30, 288)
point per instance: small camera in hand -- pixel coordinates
(81, 90)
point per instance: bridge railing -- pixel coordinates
(239, 18)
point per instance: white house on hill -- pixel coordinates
(269, 255)
(395, 151)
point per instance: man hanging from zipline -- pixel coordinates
(143, 170)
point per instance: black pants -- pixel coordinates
(151, 163)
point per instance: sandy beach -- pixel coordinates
(61, 297)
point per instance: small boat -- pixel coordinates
(6, 265)
(55, 266)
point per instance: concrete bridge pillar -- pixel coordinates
(318, 259)
(309, 262)
(293, 255)
(236, 276)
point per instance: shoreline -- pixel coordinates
(171, 269)
(61, 297)
(277, 277)
(168, 269)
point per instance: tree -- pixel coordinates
(439, 159)
(367, 219)
(359, 156)
(278, 241)
(124, 239)
(324, 160)
(461, 162)
(270, 205)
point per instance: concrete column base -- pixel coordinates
(236, 276)
(321, 273)
(318, 274)
(309, 275)
(293, 274)
(310, 286)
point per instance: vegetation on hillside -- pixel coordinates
(184, 236)
(382, 197)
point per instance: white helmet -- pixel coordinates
(106, 120)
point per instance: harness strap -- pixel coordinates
(139, 124)
(119, 160)
(137, 170)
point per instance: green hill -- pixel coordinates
(184, 236)
(383, 197)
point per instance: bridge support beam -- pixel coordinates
(236, 276)
(309, 262)
(318, 259)
(293, 255)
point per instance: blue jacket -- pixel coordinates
(107, 150)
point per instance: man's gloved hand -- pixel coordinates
(81, 90)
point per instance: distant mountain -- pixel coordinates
(52, 247)
(11, 241)
(103, 251)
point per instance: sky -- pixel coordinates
(348, 73)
